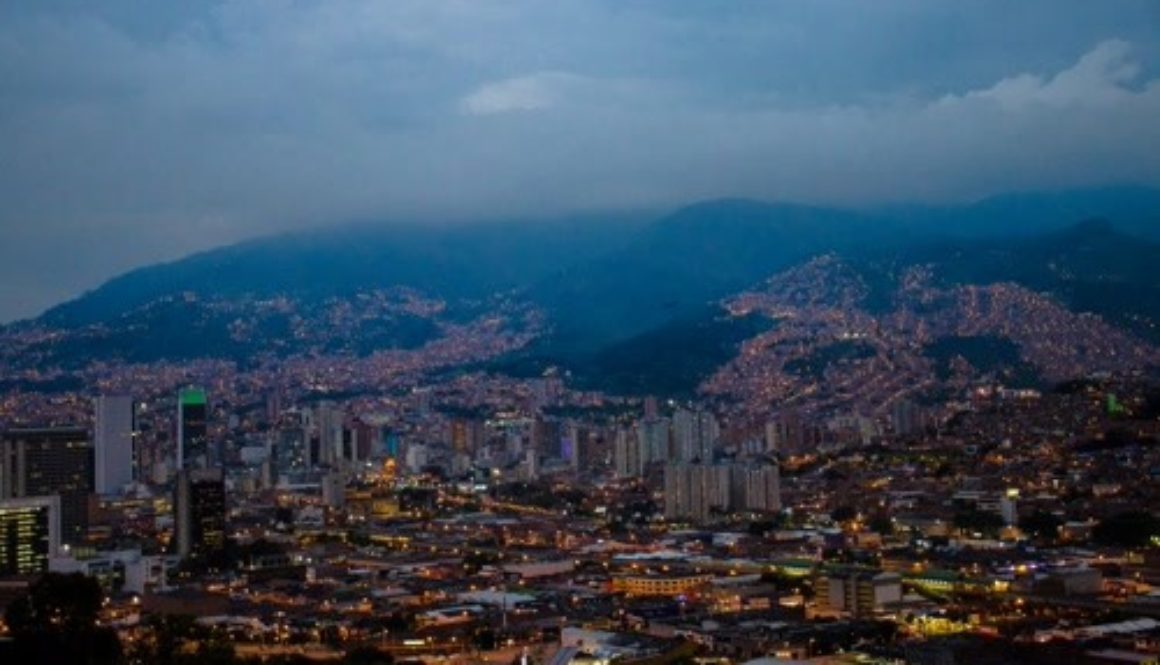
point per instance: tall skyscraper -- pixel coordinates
(328, 425)
(51, 461)
(200, 512)
(113, 443)
(29, 534)
(627, 454)
(192, 429)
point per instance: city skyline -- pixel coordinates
(581, 332)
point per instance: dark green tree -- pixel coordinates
(56, 622)
(1133, 528)
(1042, 525)
(177, 639)
(881, 524)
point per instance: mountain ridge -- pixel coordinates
(1036, 211)
(603, 293)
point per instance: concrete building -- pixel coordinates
(697, 491)
(627, 454)
(857, 593)
(654, 438)
(113, 443)
(51, 461)
(695, 434)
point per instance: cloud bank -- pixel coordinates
(132, 136)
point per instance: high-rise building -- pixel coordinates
(756, 488)
(349, 445)
(627, 457)
(51, 461)
(113, 443)
(575, 448)
(697, 491)
(790, 434)
(654, 439)
(192, 430)
(546, 436)
(695, 434)
(369, 440)
(392, 444)
(467, 436)
(29, 534)
(199, 508)
(328, 424)
(906, 417)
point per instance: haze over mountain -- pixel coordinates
(452, 261)
(595, 263)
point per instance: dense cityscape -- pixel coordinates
(580, 332)
(864, 509)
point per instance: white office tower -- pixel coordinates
(113, 443)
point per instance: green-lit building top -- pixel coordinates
(191, 396)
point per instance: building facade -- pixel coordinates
(29, 534)
(200, 512)
(192, 429)
(113, 443)
(51, 461)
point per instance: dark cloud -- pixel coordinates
(138, 132)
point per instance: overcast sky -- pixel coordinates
(132, 132)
